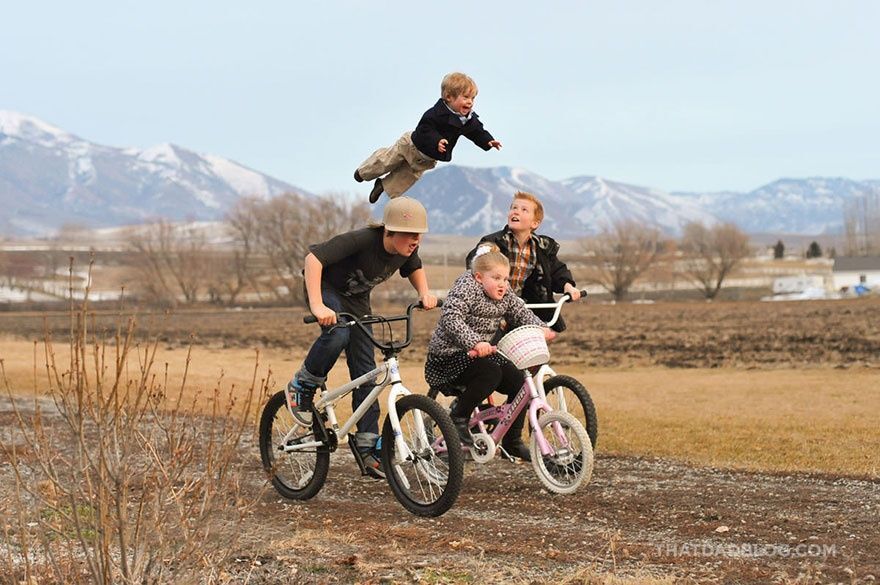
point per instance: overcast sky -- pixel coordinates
(675, 95)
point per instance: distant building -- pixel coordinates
(851, 271)
(797, 284)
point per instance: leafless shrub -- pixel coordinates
(619, 255)
(126, 483)
(711, 253)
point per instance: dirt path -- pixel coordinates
(637, 517)
(646, 521)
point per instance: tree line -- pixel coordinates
(257, 255)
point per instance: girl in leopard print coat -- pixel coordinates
(460, 352)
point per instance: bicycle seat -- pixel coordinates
(451, 390)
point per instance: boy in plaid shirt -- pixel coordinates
(535, 270)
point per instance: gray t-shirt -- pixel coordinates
(356, 261)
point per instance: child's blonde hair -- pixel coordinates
(487, 257)
(456, 84)
(539, 209)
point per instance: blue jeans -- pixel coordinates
(359, 354)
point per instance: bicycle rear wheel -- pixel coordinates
(570, 461)
(568, 395)
(297, 475)
(425, 482)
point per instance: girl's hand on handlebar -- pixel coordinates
(571, 291)
(549, 334)
(482, 349)
(324, 314)
(429, 301)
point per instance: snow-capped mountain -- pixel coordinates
(473, 201)
(49, 177)
(799, 206)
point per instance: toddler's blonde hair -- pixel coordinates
(456, 84)
(487, 257)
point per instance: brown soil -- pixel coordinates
(641, 519)
(687, 335)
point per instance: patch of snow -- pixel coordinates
(161, 154)
(243, 180)
(32, 129)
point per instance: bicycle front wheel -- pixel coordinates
(568, 395)
(299, 474)
(424, 479)
(570, 461)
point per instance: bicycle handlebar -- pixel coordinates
(566, 298)
(362, 322)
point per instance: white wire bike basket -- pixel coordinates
(525, 346)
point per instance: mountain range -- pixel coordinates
(49, 177)
(472, 201)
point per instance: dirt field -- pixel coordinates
(675, 335)
(696, 402)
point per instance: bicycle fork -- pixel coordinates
(539, 404)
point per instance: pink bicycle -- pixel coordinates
(561, 451)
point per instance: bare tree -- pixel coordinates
(244, 227)
(171, 259)
(711, 253)
(861, 223)
(289, 223)
(620, 254)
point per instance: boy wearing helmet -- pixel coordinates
(339, 275)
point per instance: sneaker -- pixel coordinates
(299, 397)
(517, 449)
(369, 461)
(464, 433)
(377, 191)
(358, 177)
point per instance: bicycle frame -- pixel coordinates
(390, 368)
(507, 413)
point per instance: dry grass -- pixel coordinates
(783, 420)
(818, 419)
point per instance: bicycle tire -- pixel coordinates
(296, 475)
(568, 467)
(429, 484)
(587, 417)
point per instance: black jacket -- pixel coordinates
(439, 122)
(550, 274)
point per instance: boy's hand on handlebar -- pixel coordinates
(429, 301)
(549, 334)
(571, 291)
(482, 349)
(324, 314)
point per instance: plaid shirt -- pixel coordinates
(523, 261)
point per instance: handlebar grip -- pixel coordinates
(310, 319)
(419, 305)
(583, 292)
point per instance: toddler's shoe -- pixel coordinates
(516, 448)
(464, 433)
(377, 191)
